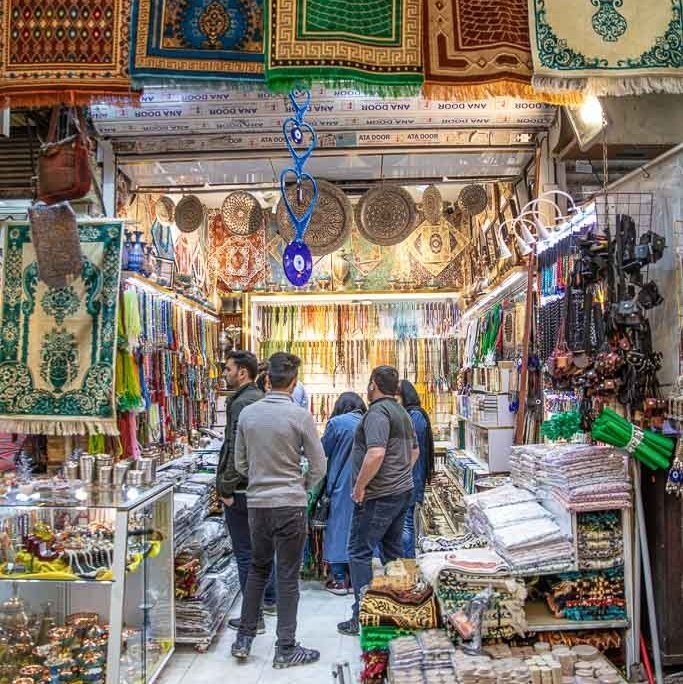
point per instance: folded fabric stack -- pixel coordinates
(406, 608)
(593, 595)
(187, 510)
(581, 477)
(464, 541)
(523, 532)
(421, 659)
(505, 616)
(600, 540)
(478, 561)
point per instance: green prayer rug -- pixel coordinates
(607, 47)
(58, 345)
(372, 45)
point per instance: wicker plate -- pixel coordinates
(331, 221)
(473, 199)
(432, 205)
(242, 213)
(189, 214)
(164, 210)
(386, 215)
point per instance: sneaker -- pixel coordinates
(241, 647)
(349, 628)
(295, 656)
(338, 588)
(270, 608)
(235, 624)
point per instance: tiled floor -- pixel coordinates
(319, 613)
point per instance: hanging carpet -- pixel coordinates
(372, 45)
(476, 49)
(55, 52)
(200, 42)
(608, 47)
(57, 345)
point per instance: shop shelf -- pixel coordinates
(540, 619)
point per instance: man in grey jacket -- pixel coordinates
(271, 438)
(240, 375)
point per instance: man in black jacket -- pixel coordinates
(240, 374)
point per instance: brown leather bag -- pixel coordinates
(64, 165)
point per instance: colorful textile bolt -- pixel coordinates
(54, 52)
(475, 49)
(200, 42)
(58, 345)
(372, 45)
(607, 47)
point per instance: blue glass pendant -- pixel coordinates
(297, 262)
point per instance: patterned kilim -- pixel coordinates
(53, 51)
(373, 45)
(474, 49)
(608, 47)
(207, 41)
(58, 345)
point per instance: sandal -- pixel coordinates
(296, 656)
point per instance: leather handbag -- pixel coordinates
(64, 165)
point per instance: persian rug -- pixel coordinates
(181, 42)
(608, 47)
(475, 49)
(58, 345)
(54, 52)
(372, 45)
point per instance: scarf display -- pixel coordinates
(475, 49)
(197, 43)
(607, 48)
(593, 595)
(568, 474)
(375, 45)
(600, 540)
(504, 617)
(57, 345)
(37, 41)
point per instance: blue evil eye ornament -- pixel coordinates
(297, 261)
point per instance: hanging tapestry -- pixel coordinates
(58, 345)
(181, 42)
(476, 49)
(372, 45)
(608, 47)
(55, 52)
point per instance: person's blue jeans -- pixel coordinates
(375, 523)
(409, 533)
(237, 520)
(339, 571)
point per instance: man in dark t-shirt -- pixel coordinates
(384, 451)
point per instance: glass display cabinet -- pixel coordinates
(86, 584)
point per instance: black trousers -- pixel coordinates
(279, 532)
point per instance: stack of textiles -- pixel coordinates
(465, 541)
(505, 616)
(187, 510)
(384, 606)
(426, 658)
(375, 664)
(479, 561)
(378, 638)
(523, 532)
(593, 595)
(600, 540)
(579, 476)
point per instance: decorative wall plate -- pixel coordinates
(473, 199)
(386, 214)
(331, 221)
(164, 210)
(189, 214)
(242, 213)
(432, 204)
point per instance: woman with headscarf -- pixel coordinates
(424, 466)
(337, 442)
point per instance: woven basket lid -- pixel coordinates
(432, 204)
(189, 214)
(473, 199)
(164, 210)
(242, 214)
(330, 223)
(386, 215)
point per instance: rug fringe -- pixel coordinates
(284, 84)
(29, 426)
(202, 85)
(502, 88)
(612, 87)
(68, 98)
